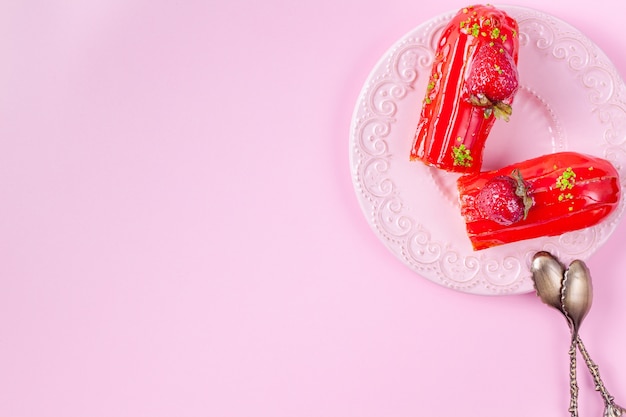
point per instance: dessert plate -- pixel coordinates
(571, 97)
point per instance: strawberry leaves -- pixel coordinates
(522, 192)
(500, 109)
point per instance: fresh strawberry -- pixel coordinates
(493, 73)
(493, 79)
(505, 199)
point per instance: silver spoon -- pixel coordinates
(576, 297)
(570, 291)
(549, 276)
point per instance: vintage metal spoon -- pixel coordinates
(549, 276)
(576, 297)
(570, 291)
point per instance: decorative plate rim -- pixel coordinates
(376, 115)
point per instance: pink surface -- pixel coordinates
(179, 234)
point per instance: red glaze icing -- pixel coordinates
(595, 193)
(447, 118)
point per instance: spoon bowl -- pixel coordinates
(576, 294)
(548, 275)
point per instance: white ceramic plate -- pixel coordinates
(571, 98)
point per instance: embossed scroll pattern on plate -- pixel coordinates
(386, 183)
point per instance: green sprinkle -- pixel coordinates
(475, 30)
(462, 155)
(567, 180)
(495, 33)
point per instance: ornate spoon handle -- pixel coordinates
(573, 384)
(570, 292)
(611, 409)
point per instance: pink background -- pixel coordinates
(179, 234)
